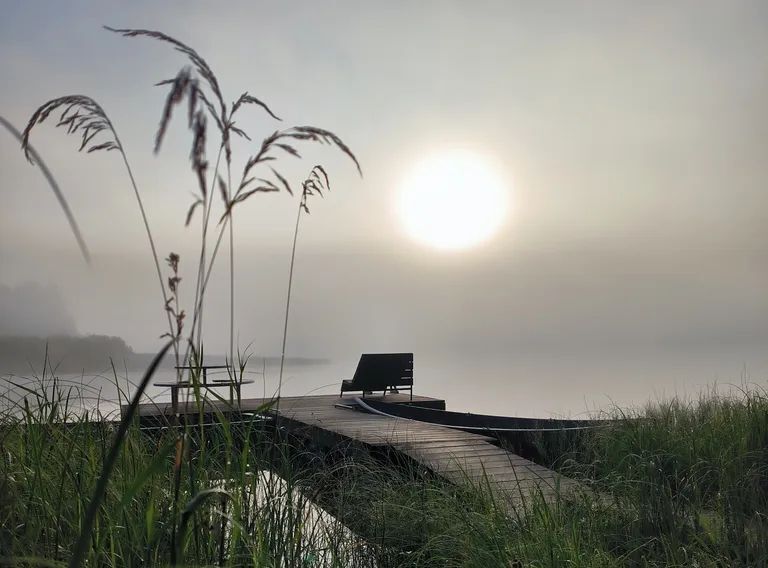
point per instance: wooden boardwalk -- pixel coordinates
(455, 455)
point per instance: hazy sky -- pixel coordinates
(632, 138)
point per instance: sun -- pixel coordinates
(452, 200)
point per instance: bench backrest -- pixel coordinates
(377, 371)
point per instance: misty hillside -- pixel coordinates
(68, 354)
(92, 353)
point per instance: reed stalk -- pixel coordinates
(315, 184)
(85, 116)
(38, 160)
(288, 305)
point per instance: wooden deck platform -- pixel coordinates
(457, 456)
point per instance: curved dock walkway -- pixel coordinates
(455, 455)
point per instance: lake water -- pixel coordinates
(533, 386)
(540, 387)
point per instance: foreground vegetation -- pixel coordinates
(680, 484)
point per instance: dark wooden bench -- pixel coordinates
(232, 382)
(387, 372)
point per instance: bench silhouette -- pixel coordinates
(381, 372)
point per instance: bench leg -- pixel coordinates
(175, 399)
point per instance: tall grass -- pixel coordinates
(680, 484)
(694, 474)
(198, 88)
(315, 184)
(197, 498)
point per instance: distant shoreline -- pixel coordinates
(141, 360)
(93, 353)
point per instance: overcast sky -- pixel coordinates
(631, 136)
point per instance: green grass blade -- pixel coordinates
(154, 467)
(78, 554)
(194, 504)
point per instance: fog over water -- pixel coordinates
(633, 263)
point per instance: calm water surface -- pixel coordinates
(560, 386)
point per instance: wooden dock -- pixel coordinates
(455, 455)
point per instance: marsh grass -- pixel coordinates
(193, 494)
(194, 482)
(200, 88)
(197, 87)
(686, 485)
